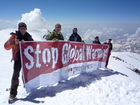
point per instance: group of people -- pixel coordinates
(109, 43)
(57, 35)
(22, 35)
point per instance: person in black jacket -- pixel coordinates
(109, 43)
(96, 41)
(75, 36)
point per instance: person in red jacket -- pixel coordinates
(109, 51)
(13, 43)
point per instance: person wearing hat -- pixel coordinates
(96, 40)
(75, 36)
(56, 34)
(13, 43)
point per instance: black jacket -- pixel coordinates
(96, 42)
(21, 37)
(75, 37)
(110, 46)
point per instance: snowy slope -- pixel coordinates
(127, 62)
(117, 86)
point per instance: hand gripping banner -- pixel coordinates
(46, 63)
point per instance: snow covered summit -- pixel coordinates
(119, 85)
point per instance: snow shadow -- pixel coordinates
(81, 80)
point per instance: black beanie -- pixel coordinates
(22, 24)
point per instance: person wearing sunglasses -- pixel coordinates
(13, 43)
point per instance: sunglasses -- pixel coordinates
(57, 27)
(23, 28)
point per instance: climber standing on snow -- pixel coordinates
(75, 36)
(56, 34)
(96, 40)
(13, 43)
(109, 51)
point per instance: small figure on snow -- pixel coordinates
(109, 51)
(97, 40)
(75, 36)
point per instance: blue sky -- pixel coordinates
(74, 10)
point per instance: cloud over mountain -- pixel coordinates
(34, 19)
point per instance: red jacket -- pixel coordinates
(10, 44)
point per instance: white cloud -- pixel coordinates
(4, 24)
(126, 35)
(37, 23)
(137, 33)
(111, 30)
(90, 34)
(34, 19)
(104, 33)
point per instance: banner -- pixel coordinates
(46, 63)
